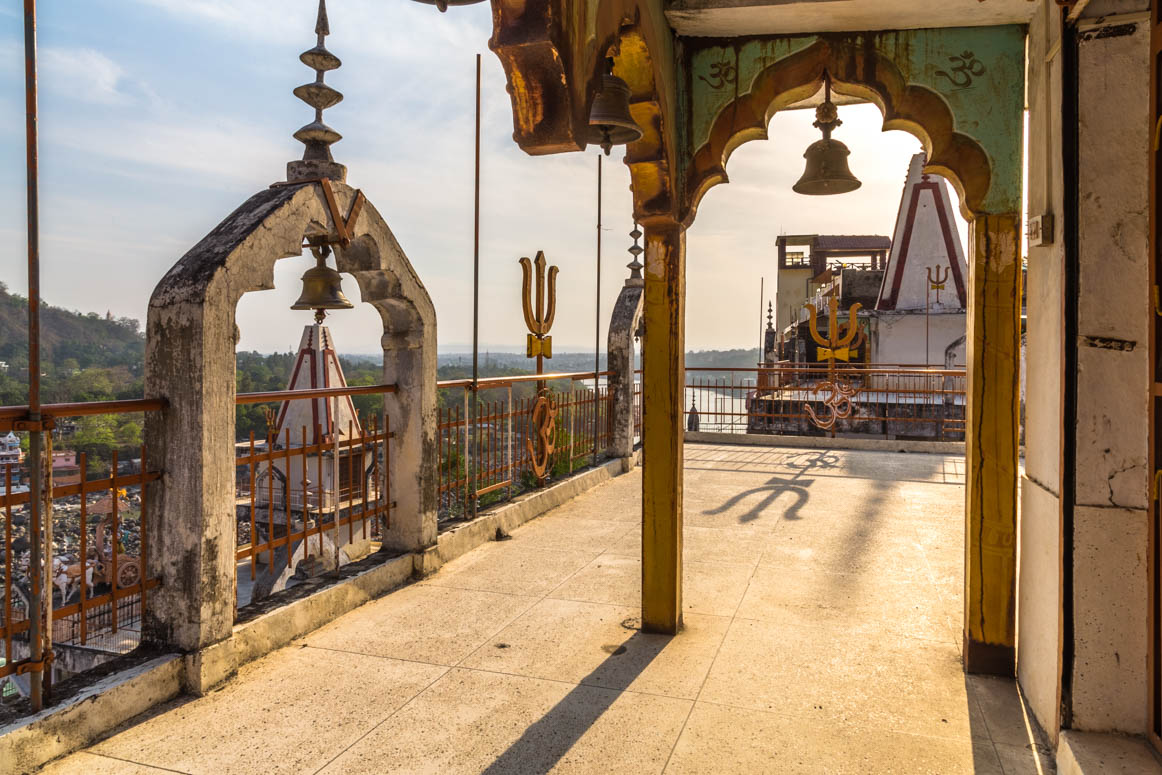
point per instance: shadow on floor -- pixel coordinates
(802, 463)
(548, 739)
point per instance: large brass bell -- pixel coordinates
(322, 286)
(610, 122)
(827, 171)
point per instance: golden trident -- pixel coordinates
(540, 345)
(936, 283)
(837, 346)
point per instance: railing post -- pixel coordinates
(510, 469)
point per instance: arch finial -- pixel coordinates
(317, 161)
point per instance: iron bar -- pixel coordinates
(36, 546)
(597, 325)
(475, 291)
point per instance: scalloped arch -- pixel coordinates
(855, 70)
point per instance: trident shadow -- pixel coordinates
(836, 347)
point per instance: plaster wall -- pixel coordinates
(790, 294)
(1039, 562)
(1110, 520)
(899, 337)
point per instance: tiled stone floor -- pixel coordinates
(822, 609)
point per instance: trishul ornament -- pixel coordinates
(539, 344)
(936, 282)
(836, 347)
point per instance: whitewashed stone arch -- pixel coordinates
(625, 323)
(190, 362)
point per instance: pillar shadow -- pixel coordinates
(550, 738)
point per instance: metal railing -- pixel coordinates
(897, 402)
(490, 460)
(310, 495)
(97, 590)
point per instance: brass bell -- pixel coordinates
(610, 122)
(827, 171)
(322, 287)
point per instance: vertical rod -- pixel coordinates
(286, 485)
(142, 563)
(35, 438)
(85, 548)
(762, 338)
(8, 564)
(597, 323)
(253, 530)
(114, 543)
(335, 472)
(510, 469)
(476, 284)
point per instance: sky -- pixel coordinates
(159, 117)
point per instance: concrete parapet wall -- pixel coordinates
(826, 442)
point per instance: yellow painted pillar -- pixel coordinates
(990, 567)
(663, 393)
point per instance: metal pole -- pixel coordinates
(597, 326)
(36, 576)
(762, 337)
(475, 286)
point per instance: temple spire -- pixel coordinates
(317, 161)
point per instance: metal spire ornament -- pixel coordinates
(635, 266)
(827, 171)
(317, 161)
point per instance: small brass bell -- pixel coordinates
(610, 122)
(322, 287)
(827, 171)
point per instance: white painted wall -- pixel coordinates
(898, 337)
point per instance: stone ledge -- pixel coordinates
(1090, 753)
(30, 742)
(825, 442)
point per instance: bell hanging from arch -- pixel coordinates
(827, 171)
(322, 286)
(610, 122)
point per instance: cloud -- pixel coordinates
(83, 74)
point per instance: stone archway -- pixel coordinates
(748, 82)
(190, 362)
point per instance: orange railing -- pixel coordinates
(487, 460)
(310, 492)
(98, 580)
(899, 402)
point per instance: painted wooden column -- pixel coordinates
(663, 390)
(990, 566)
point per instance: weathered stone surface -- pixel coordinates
(190, 363)
(623, 327)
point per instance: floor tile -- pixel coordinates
(507, 567)
(288, 713)
(873, 679)
(92, 764)
(600, 645)
(723, 739)
(425, 623)
(476, 722)
(710, 588)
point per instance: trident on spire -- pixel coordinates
(317, 136)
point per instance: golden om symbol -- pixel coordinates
(541, 418)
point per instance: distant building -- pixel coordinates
(11, 455)
(913, 303)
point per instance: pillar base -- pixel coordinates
(989, 658)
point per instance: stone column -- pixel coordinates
(191, 520)
(993, 357)
(663, 391)
(623, 324)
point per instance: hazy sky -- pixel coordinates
(159, 117)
